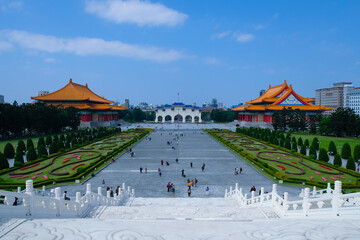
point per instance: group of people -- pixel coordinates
(141, 169)
(238, 170)
(170, 187)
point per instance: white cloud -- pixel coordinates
(221, 35)
(276, 15)
(212, 61)
(245, 37)
(4, 46)
(10, 4)
(261, 26)
(88, 46)
(357, 63)
(50, 60)
(139, 12)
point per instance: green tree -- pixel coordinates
(325, 126)
(316, 143)
(306, 143)
(323, 155)
(55, 138)
(21, 146)
(357, 153)
(48, 140)
(60, 145)
(3, 162)
(29, 144)
(53, 148)
(303, 149)
(288, 143)
(332, 148)
(19, 160)
(343, 122)
(9, 151)
(345, 151)
(337, 160)
(41, 142)
(350, 164)
(300, 141)
(312, 151)
(31, 154)
(294, 146)
(41, 150)
(62, 138)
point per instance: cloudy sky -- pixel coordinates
(151, 50)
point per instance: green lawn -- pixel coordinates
(324, 140)
(290, 165)
(66, 162)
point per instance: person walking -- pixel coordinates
(103, 182)
(141, 169)
(177, 160)
(111, 192)
(240, 170)
(168, 186)
(189, 192)
(145, 170)
(207, 191)
(159, 171)
(196, 181)
(203, 167)
(162, 162)
(253, 189)
(183, 173)
(65, 197)
(191, 164)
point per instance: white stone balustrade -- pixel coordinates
(38, 204)
(323, 202)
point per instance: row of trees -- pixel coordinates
(299, 145)
(50, 145)
(218, 115)
(343, 122)
(17, 121)
(137, 115)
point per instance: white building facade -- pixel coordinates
(178, 112)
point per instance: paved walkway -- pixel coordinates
(195, 147)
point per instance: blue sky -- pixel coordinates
(151, 50)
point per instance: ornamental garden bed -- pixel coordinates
(284, 165)
(64, 166)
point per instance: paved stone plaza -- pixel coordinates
(194, 146)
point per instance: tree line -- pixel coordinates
(219, 115)
(29, 119)
(341, 123)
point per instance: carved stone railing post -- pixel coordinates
(236, 188)
(29, 190)
(128, 190)
(19, 189)
(285, 204)
(58, 197)
(252, 197)
(273, 195)
(306, 205)
(99, 195)
(231, 191)
(336, 202)
(226, 193)
(328, 189)
(88, 193)
(133, 192)
(78, 206)
(314, 192)
(123, 187)
(261, 196)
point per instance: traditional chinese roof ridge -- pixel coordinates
(282, 97)
(270, 94)
(90, 106)
(73, 92)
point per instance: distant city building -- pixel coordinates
(178, 112)
(42, 93)
(214, 103)
(333, 97)
(127, 103)
(259, 112)
(220, 105)
(2, 99)
(354, 100)
(262, 91)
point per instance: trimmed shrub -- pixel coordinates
(323, 155)
(300, 142)
(53, 148)
(337, 160)
(306, 143)
(288, 143)
(41, 142)
(31, 154)
(312, 151)
(55, 138)
(29, 144)
(18, 164)
(62, 138)
(41, 150)
(357, 153)
(19, 159)
(303, 149)
(80, 170)
(9, 151)
(315, 143)
(18, 150)
(48, 140)
(62, 150)
(294, 146)
(60, 145)
(282, 142)
(346, 151)
(350, 164)
(3, 162)
(67, 144)
(265, 164)
(332, 148)
(21, 146)
(312, 156)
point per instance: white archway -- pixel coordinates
(178, 112)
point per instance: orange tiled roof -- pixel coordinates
(280, 97)
(73, 92)
(78, 106)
